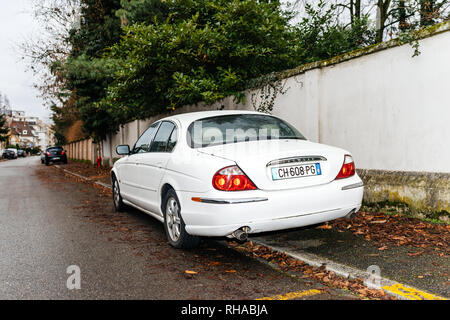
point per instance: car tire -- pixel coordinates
(174, 224)
(119, 206)
(47, 163)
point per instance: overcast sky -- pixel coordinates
(16, 24)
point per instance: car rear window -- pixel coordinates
(54, 149)
(239, 128)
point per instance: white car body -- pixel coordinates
(274, 205)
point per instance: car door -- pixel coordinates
(129, 167)
(152, 164)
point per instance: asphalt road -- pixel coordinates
(49, 222)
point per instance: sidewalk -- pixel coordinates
(408, 251)
(89, 171)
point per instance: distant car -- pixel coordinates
(54, 154)
(10, 153)
(21, 153)
(42, 154)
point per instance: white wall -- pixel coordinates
(390, 110)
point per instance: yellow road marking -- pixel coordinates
(293, 295)
(411, 293)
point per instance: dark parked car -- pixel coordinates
(9, 154)
(54, 154)
(21, 153)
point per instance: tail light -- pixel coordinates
(232, 179)
(62, 153)
(48, 153)
(348, 168)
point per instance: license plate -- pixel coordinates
(56, 158)
(302, 170)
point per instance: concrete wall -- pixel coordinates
(82, 150)
(390, 110)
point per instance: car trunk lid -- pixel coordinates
(258, 158)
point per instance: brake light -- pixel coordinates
(348, 168)
(232, 179)
(48, 153)
(62, 153)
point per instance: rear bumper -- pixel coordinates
(263, 211)
(56, 159)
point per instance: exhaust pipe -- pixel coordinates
(350, 214)
(241, 234)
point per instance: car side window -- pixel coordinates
(143, 143)
(161, 140)
(172, 140)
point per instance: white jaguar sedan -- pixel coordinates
(233, 173)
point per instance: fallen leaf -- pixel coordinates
(190, 272)
(382, 248)
(415, 254)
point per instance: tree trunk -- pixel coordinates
(402, 25)
(382, 10)
(352, 15)
(357, 10)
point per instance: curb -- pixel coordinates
(105, 185)
(371, 278)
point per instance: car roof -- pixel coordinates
(189, 117)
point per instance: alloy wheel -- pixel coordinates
(116, 194)
(173, 220)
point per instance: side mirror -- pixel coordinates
(123, 149)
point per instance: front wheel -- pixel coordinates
(119, 206)
(174, 224)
